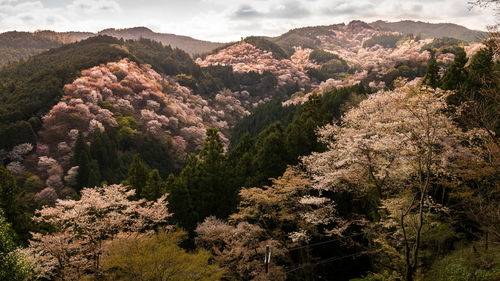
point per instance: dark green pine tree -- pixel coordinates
(179, 200)
(137, 176)
(271, 156)
(104, 151)
(12, 267)
(80, 148)
(214, 193)
(81, 158)
(94, 178)
(154, 186)
(11, 207)
(431, 78)
(240, 161)
(301, 133)
(9, 193)
(456, 74)
(480, 70)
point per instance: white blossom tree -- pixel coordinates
(240, 249)
(395, 142)
(83, 227)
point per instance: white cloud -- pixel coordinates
(222, 20)
(90, 7)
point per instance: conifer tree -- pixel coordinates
(81, 158)
(212, 184)
(137, 176)
(80, 148)
(12, 265)
(94, 178)
(271, 156)
(179, 199)
(10, 206)
(301, 133)
(456, 74)
(480, 71)
(432, 76)
(154, 186)
(240, 160)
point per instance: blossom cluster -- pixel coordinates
(103, 95)
(245, 57)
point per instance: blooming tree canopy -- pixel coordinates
(82, 228)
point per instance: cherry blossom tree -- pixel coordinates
(287, 204)
(240, 249)
(83, 227)
(395, 142)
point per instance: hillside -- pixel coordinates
(15, 46)
(21, 45)
(185, 43)
(432, 30)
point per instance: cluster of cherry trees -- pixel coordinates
(83, 228)
(245, 57)
(396, 147)
(114, 96)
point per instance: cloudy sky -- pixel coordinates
(226, 20)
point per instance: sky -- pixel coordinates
(228, 20)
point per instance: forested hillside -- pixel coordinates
(16, 46)
(345, 152)
(432, 30)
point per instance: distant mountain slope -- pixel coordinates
(15, 46)
(313, 36)
(185, 43)
(431, 30)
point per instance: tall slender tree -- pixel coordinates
(154, 187)
(137, 176)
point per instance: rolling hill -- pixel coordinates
(15, 46)
(431, 30)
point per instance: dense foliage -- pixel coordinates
(442, 42)
(266, 45)
(12, 263)
(16, 46)
(386, 41)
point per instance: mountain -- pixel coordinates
(431, 30)
(185, 43)
(15, 46)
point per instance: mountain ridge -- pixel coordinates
(431, 30)
(41, 40)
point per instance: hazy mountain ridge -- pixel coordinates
(307, 37)
(15, 46)
(431, 30)
(185, 43)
